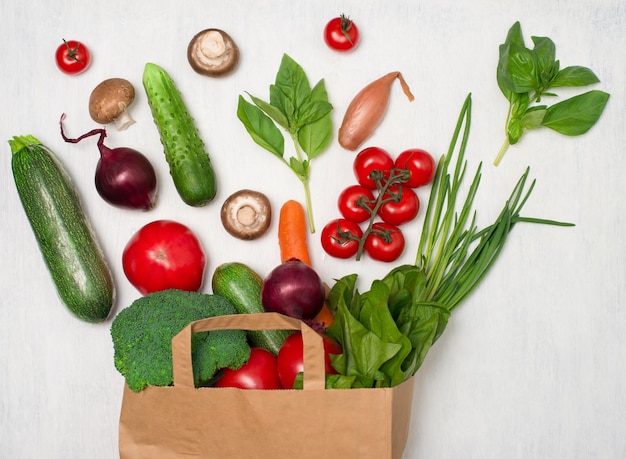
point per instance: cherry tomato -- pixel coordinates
(290, 358)
(354, 202)
(162, 255)
(72, 57)
(400, 205)
(341, 34)
(372, 160)
(385, 242)
(420, 164)
(259, 372)
(340, 238)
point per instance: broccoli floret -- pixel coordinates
(142, 338)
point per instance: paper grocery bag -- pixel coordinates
(182, 421)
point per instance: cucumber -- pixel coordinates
(67, 242)
(190, 164)
(242, 287)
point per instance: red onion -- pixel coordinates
(294, 289)
(124, 176)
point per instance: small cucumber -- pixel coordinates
(65, 237)
(190, 165)
(242, 287)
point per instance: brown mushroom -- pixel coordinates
(109, 102)
(246, 214)
(212, 52)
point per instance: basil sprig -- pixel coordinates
(301, 111)
(525, 76)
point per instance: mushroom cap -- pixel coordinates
(246, 214)
(110, 99)
(212, 52)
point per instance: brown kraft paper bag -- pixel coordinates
(182, 421)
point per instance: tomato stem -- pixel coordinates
(72, 53)
(396, 176)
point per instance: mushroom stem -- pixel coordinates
(123, 121)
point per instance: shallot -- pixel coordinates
(367, 109)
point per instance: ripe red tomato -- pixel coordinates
(385, 242)
(341, 34)
(162, 255)
(354, 202)
(72, 57)
(420, 164)
(369, 160)
(340, 238)
(259, 372)
(291, 362)
(400, 206)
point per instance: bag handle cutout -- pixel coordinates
(313, 346)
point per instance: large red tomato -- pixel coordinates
(164, 255)
(290, 358)
(260, 372)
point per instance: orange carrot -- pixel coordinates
(292, 233)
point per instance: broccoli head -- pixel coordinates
(142, 338)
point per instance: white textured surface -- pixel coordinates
(529, 367)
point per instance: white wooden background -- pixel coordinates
(530, 366)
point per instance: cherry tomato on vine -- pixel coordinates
(259, 372)
(340, 238)
(354, 202)
(369, 160)
(341, 34)
(291, 353)
(385, 242)
(401, 205)
(420, 164)
(72, 57)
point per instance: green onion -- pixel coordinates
(453, 253)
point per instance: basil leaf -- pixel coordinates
(315, 137)
(503, 77)
(574, 75)
(301, 168)
(273, 112)
(284, 104)
(523, 69)
(514, 131)
(260, 127)
(545, 52)
(514, 40)
(533, 118)
(576, 115)
(514, 35)
(311, 111)
(292, 83)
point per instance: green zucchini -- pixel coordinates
(67, 242)
(190, 164)
(242, 287)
